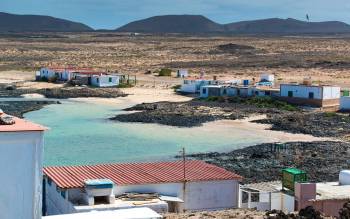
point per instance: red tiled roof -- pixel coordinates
(21, 125)
(137, 173)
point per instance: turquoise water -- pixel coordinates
(80, 133)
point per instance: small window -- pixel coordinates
(255, 197)
(63, 193)
(204, 90)
(290, 93)
(49, 181)
(311, 95)
(110, 80)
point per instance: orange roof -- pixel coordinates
(67, 177)
(22, 125)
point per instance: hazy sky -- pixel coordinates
(114, 13)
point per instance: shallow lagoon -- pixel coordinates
(80, 133)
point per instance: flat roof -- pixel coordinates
(332, 191)
(22, 125)
(132, 213)
(273, 186)
(313, 85)
(67, 177)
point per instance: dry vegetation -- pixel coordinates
(290, 58)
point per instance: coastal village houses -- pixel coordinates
(81, 76)
(327, 97)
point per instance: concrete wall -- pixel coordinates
(331, 93)
(329, 207)
(212, 195)
(207, 195)
(21, 175)
(104, 81)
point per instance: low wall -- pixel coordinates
(311, 102)
(329, 207)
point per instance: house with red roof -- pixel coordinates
(175, 186)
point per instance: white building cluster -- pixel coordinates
(79, 76)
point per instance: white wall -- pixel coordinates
(331, 93)
(301, 91)
(21, 175)
(211, 195)
(104, 80)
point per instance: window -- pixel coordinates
(110, 80)
(255, 197)
(49, 181)
(290, 93)
(311, 95)
(97, 80)
(63, 193)
(204, 90)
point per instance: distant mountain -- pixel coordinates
(280, 26)
(173, 24)
(201, 24)
(30, 23)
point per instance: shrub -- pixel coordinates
(165, 72)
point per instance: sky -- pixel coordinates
(110, 14)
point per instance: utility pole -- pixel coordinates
(184, 163)
(184, 176)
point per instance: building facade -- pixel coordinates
(21, 150)
(66, 189)
(310, 95)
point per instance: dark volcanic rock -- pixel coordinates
(320, 124)
(189, 114)
(321, 160)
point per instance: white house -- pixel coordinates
(194, 85)
(266, 196)
(21, 150)
(182, 73)
(193, 185)
(312, 95)
(103, 80)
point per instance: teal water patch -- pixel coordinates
(80, 133)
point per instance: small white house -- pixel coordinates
(105, 80)
(182, 73)
(194, 185)
(21, 155)
(312, 95)
(267, 77)
(60, 74)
